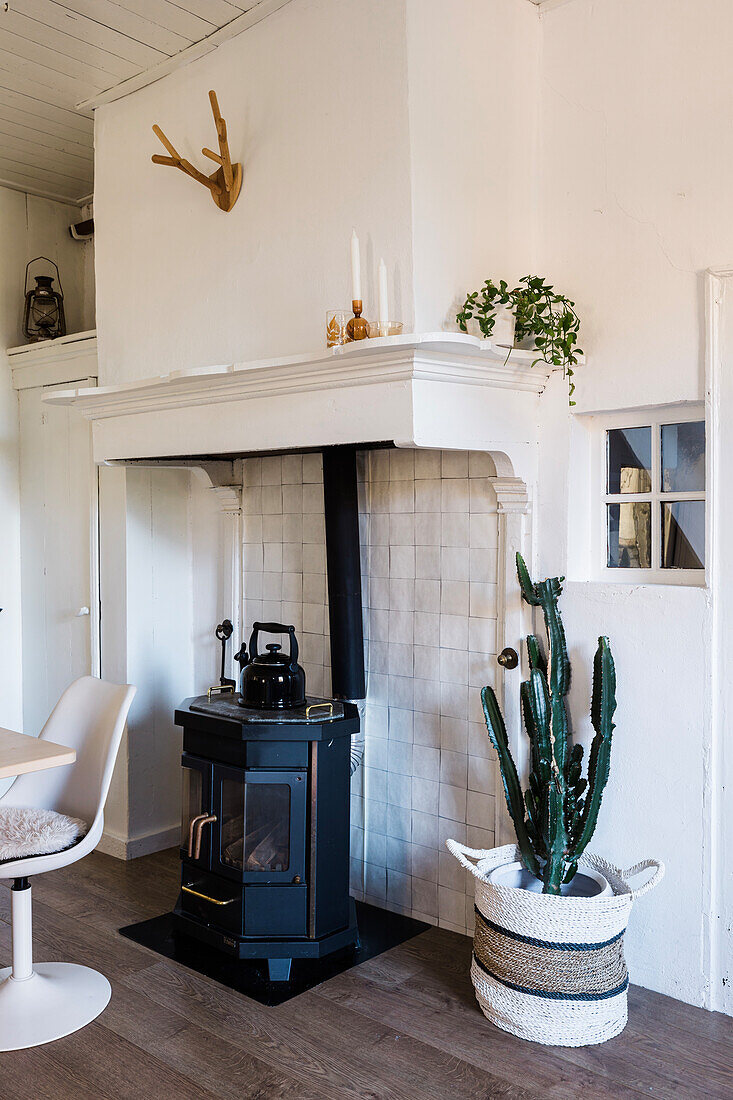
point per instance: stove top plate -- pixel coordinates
(228, 706)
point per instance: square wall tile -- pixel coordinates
(312, 467)
(454, 494)
(426, 628)
(426, 762)
(401, 723)
(426, 728)
(402, 529)
(399, 822)
(425, 897)
(450, 830)
(375, 880)
(292, 469)
(480, 809)
(451, 907)
(425, 862)
(399, 855)
(428, 495)
(481, 774)
(399, 888)
(399, 759)
(425, 795)
(401, 464)
(453, 769)
(427, 464)
(451, 873)
(454, 599)
(424, 829)
(428, 528)
(453, 802)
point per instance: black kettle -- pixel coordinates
(272, 680)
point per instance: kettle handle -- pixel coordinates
(274, 628)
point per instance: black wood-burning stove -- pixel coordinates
(265, 829)
(265, 822)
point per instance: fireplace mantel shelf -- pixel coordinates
(442, 390)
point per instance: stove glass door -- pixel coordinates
(262, 830)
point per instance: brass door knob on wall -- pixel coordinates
(508, 658)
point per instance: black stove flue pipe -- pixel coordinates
(343, 567)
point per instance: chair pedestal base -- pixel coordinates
(57, 1000)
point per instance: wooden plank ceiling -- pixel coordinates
(58, 56)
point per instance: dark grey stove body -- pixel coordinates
(265, 830)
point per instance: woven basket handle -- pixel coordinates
(465, 856)
(650, 883)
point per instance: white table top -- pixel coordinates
(20, 753)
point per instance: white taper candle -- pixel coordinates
(383, 307)
(355, 267)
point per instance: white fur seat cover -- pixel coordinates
(31, 832)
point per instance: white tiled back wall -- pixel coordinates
(428, 530)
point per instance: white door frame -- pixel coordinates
(718, 811)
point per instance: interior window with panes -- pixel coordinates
(655, 499)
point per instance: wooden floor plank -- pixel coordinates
(311, 1036)
(402, 1025)
(201, 1056)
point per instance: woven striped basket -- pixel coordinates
(546, 968)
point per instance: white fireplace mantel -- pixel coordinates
(437, 390)
(443, 391)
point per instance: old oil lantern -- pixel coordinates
(43, 318)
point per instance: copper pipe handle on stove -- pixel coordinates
(191, 827)
(207, 819)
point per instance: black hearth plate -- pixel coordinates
(379, 930)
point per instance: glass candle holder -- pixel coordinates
(336, 322)
(379, 329)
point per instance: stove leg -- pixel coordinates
(279, 969)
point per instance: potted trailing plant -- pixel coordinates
(550, 918)
(544, 320)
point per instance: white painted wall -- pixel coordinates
(634, 197)
(473, 77)
(156, 624)
(322, 131)
(29, 226)
(634, 205)
(619, 196)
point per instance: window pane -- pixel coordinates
(683, 457)
(683, 534)
(629, 535)
(629, 460)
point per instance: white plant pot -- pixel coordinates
(545, 967)
(503, 334)
(585, 884)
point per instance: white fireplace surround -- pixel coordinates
(438, 391)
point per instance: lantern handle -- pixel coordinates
(48, 261)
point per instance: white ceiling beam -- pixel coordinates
(191, 53)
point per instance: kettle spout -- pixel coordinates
(241, 656)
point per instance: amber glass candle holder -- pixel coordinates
(357, 328)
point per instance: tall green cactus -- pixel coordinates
(557, 816)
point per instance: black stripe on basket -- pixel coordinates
(547, 943)
(547, 996)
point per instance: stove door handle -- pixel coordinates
(188, 889)
(191, 827)
(207, 819)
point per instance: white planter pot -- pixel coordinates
(585, 884)
(503, 334)
(545, 967)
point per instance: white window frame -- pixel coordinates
(653, 418)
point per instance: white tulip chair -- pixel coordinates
(45, 1001)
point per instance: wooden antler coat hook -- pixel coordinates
(224, 184)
